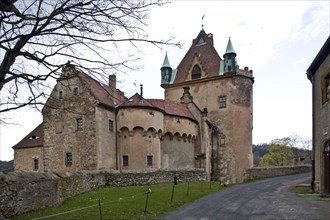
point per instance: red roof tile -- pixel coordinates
(101, 91)
(34, 139)
(207, 54)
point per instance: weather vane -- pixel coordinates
(202, 21)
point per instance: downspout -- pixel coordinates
(313, 134)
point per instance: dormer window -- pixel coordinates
(33, 137)
(196, 72)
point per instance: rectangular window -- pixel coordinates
(35, 164)
(222, 101)
(110, 125)
(149, 160)
(325, 86)
(60, 95)
(76, 91)
(68, 159)
(125, 160)
(79, 123)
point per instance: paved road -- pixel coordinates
(266, 199)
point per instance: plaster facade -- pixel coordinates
(319, 74)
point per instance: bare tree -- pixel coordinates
(38, 37)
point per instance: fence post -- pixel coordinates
(100, 209)
(172, 193)
(146, 205)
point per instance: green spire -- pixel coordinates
(166, 63)
(230, 48)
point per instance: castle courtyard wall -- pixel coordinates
(22, 192)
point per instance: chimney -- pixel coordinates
(141, 90)
(112, 87)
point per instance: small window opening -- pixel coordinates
(35, 164)
(110, 125)
(79, 123)
(60, 95)
(223, 101)
(68, 159)
(201, 41)
(325, 88)
(149, 160)
(76, 91)
(125, 160)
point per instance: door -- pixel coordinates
(327, 168)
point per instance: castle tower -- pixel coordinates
(225, 92)
(229, 58)
(166, 71)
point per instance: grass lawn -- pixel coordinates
(126, 202)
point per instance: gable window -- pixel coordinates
(196, 72)
(76, 91)
(79, 124)
(325, 87)
(125, 160)
(110, 125)
(68, 159)
(149, 161)
(201, 40)
(222, 101)
(35, 164)
(60, 94)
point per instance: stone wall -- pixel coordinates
(263, 172)
(22, 192)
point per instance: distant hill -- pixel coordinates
(6, 165)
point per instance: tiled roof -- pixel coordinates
(136, 101)
(172, 108)
(166, 106)
(101, 91)
(206, 52)
(34, 139)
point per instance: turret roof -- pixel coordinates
(166, 63)
(230, 48)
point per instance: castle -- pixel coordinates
(205, 121)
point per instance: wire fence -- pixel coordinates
(170, 191)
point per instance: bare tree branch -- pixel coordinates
(38, 37)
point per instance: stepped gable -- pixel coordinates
(101, 91)
(172, 108)
(207, 54)
(34, 139)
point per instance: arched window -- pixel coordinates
(196, 72)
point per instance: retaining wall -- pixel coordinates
(263, 172)
(21, 192)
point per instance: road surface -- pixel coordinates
(266, 199)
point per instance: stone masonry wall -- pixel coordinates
(263, 172)
(21, 192)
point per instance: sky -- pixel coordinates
(278, 40)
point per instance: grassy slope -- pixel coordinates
(127, 202)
